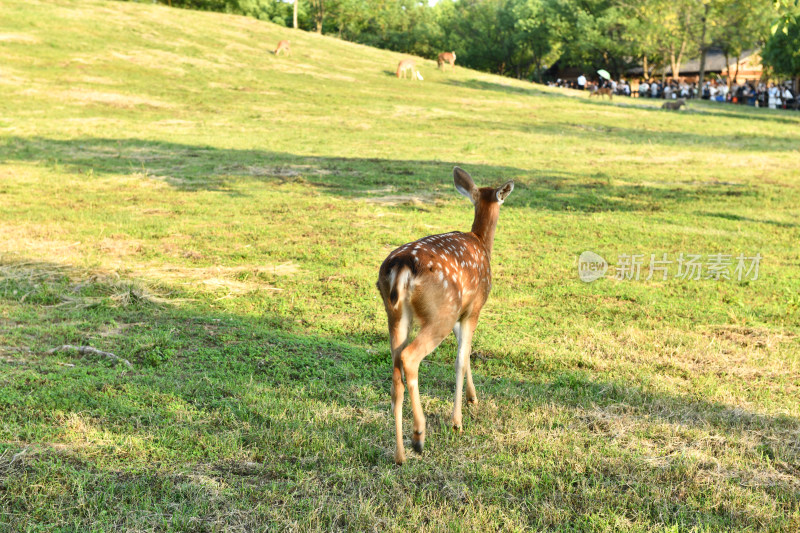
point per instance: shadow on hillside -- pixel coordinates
(199, 374)
(195, 168)
(714, 110)
(577, 388)
(282, 350)
(739, 218)
(749, 113)
(499, 87)
(659, 141)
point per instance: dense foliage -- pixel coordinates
(522, 38)
(782, 50)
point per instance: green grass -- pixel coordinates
(173, 193)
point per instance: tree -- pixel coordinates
(277, 12)
(740, 26)
(781, 52)
(536, 33)
(593, 34)
(319, 14)
(662, 31)
(486, 32)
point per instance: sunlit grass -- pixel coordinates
(173, 193)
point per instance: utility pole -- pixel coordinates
(294, 16)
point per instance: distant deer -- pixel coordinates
(446, 57)
(598, 92)
(442, 282)
(283, 46)
(405, 65)
(676, 105)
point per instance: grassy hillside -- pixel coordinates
(173, 193)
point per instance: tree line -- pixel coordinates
(523, 38)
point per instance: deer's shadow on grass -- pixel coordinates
(205, 168)
(209, 387)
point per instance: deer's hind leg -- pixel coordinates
(399, 328)
(431, 334)
(463, 331)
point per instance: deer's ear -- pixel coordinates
(502, 192)
(464, 184)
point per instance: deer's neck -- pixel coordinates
(485, 223)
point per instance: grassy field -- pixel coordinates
(173, 193)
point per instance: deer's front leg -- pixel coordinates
(463, 332)
(472, 395)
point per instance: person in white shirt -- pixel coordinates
(581, 82)
(644, 87)
(774, 96)
(787, 95)
(723, 92)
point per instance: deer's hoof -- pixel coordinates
(399, 458)
(472, 401)
(457, 428)
(418, 441)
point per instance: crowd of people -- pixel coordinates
(771, 95)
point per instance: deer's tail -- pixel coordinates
(398, 284)
(395, 281)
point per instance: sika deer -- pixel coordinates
(283, 46)
(674, 105)
(405, 65)
(446, 57)
(600, 91)
(442, 281)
